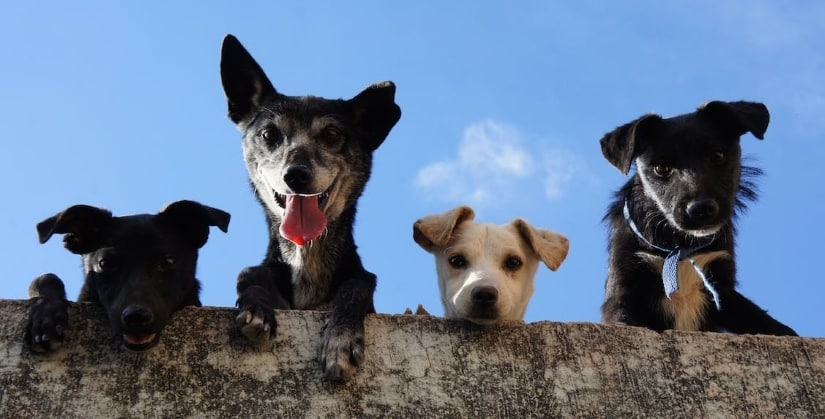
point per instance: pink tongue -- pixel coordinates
(303, 219)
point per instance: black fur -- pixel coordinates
(308, 146)
(140, 268)
(688, 187)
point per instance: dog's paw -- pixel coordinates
(48, 319)
(342, 352)
(257, 324)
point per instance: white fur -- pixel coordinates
(486, 248)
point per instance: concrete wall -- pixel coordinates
(416, 367)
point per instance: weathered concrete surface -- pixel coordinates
(416, 367)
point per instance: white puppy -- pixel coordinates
(486, 271)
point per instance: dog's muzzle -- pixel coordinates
(483, 308)
(701, 213)
(136, 322)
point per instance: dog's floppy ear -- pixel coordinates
(244, 82)
(550, 246)
(83, 226)
(623, 144)
(435, 231)
(740, 117)
(194, 219)
(376, 113)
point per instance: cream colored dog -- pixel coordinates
(486, 271)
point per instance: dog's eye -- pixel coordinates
(662, 170)
(718, 157)
(457, 261)
(269, 134)
(513, 263)
(167, 262)
(105, 265)
(333, 134)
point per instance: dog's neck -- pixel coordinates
(308, 268)
(314, 265)
(670, 269)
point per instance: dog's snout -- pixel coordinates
(297, 177)
(136, 316)
(703, 209)
(485, 295)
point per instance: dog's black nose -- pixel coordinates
(297, 177)
(136, 316)
(703, 209)
(485, 295)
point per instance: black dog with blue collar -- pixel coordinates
(672, 229)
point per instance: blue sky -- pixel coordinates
(119, 105)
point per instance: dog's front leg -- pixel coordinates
(48, 315)
(740, 315)
(342, 349)
(258, 297)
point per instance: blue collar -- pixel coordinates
(670, 269)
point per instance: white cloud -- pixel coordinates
(559, 167)
(493, 164)
(493, 148)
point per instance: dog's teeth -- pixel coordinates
(138, 339)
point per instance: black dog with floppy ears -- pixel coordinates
(672, 224)
(139, 268)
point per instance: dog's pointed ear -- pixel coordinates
(194, 219)
(435, 231)
(82, 226)
(550, 246)
(740, 117)
(623, 144)
(376, 113)
(244, 82)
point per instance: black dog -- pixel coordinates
(309, 159)
(140, 268)
(672, 224)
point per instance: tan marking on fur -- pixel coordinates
(688, 305)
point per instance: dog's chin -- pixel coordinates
(139, 342)
(481, 316)
(483, 321)
(702, 232)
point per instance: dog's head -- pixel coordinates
(140, 268)
(308, 157)
(486, 271)
(690, 165)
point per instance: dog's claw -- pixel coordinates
(342, 353)
(243, 318)
(48, 318)
(254, 327)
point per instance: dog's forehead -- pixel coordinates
(304, 108)
(137, 231)
(489, 237)
(296, 113)
(691, 130)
